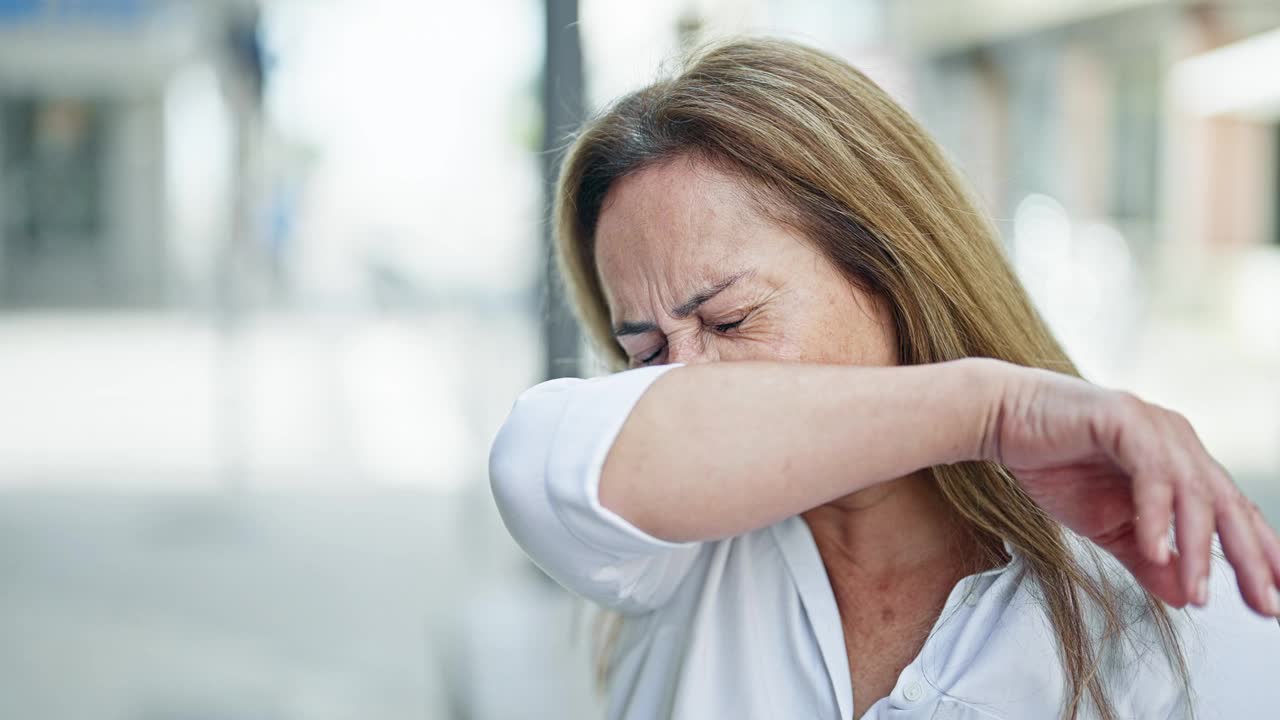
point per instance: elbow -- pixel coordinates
(556, 464)
(504, 472)
(516, 470)
(518, 459)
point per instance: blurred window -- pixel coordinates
(52, 154)
(111, 11)
(19, 9)
(1275, 187)
(1136, 107)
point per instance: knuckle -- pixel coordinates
(1221, 471)
(1117, 406)
(1181, 422)
(1231, 499)
(1196, 488)
(1183, 481)
(1220, 481)
(1161, 492)
(1173, 465)
(1128, 404)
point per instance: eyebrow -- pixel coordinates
(683, 310)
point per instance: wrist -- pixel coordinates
(983, 384)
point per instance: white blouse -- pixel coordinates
(748, 627)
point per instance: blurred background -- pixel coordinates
(272, 273)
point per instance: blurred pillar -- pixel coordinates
(562, 113)
(1275, 183)
(238, 262)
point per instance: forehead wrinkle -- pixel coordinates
(706, 293)
(690, 215)
(714, 284)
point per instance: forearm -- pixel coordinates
(719, 449)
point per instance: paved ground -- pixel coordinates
(282, 607)
(186, 607)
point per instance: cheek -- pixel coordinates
(772, 346)
(771, 333)
(850, 328)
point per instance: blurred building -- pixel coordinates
(87, 195)
(223, 498)
(1091, 103)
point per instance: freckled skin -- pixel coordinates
(671, 230)
(668, 231)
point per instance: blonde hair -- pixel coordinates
(825, 151)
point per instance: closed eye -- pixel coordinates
(726, 327)
(652, 356)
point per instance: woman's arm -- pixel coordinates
(715, 450)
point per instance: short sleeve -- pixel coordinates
(544, 469)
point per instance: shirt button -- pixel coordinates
(913, 692)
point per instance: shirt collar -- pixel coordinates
(800, 553)
(804, 562)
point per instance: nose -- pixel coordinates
(689, 350)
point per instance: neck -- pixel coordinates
(895, 527)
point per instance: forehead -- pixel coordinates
(680, 219)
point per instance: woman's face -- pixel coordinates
(694, 273)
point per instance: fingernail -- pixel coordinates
(1162, 553)
(1275, 602)
(1202, 591)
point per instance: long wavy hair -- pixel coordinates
(828, 153)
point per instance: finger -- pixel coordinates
(1194, 529)
(1194, 473)
(1269, 542)
(1153, 504)
(1240, 543)
(1139, 455)
(1160, 580)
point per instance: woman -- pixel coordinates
(840, 480)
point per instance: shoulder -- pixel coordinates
(1014, 644)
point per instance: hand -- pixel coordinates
(1118, 471)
